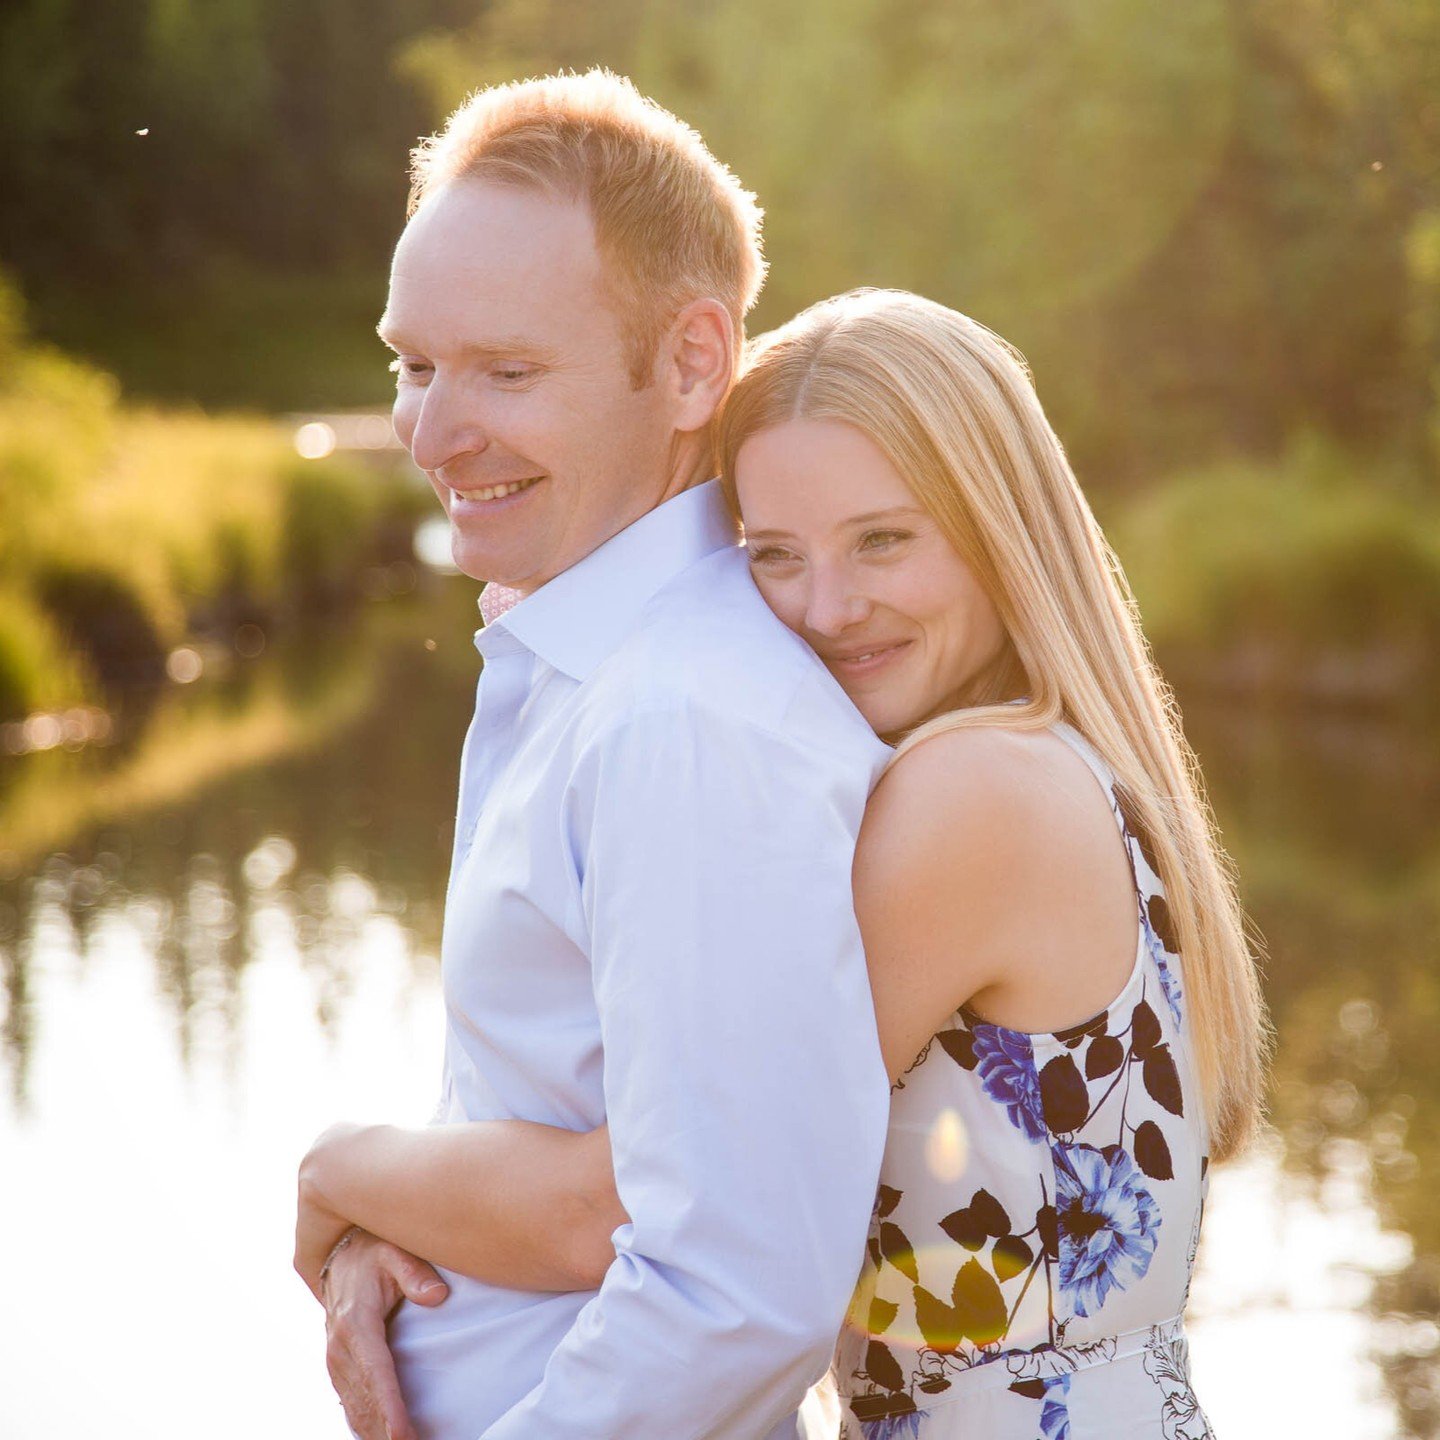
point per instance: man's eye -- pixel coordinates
(409, 369)
(514, 373)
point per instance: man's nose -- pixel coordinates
(445, 429)
(834, 605)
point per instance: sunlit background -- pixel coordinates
(235, 671)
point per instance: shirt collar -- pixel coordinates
(575, 620)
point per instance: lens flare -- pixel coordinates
(947, 1147)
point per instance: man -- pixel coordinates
(649, 921)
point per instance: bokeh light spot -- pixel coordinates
(184, 665)
(314, 440)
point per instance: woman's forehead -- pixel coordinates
(807, 474)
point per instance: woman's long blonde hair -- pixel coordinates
(953, 408)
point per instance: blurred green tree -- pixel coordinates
(1211, 227)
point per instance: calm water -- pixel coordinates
(219, 932)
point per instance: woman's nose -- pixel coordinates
(834, 605)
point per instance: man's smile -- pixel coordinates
(487, 494)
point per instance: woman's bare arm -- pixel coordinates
(523, 1205)
(990, 872)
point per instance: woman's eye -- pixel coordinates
(513, 373)
(881, 539)
(769, 555)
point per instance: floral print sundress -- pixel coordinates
(1039, 1209)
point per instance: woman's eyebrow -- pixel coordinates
(895, 512)
(851, 522)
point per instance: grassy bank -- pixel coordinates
(128, 531)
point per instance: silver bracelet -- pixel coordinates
(335, 1249)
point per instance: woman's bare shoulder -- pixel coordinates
(965, 786)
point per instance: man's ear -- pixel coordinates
(699, 360)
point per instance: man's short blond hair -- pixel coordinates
(672, 224)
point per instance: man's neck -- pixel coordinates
(691, 463)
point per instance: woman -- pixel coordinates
(1033, 866)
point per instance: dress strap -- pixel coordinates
(1088, 753)
(1106, 776)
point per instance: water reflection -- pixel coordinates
(320, 790)
(226, 921)
(1335, 824)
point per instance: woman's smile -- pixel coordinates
(860, 662)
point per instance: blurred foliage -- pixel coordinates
(237, 337)
(176, 156)
(128, 530)
(1213, 228)
(1210, 226)
(1316, 573)
(151, 139)
(36, 670)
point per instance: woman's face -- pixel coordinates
(846, 556)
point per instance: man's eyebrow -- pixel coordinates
(896, 512)
(502, 347)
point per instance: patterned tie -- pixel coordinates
(495, 600)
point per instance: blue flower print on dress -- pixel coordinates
(1107, 1221)
(894, 1427)
(1055, 1410)
(1006, 1066)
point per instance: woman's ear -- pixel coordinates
(700, 361)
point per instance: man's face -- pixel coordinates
(513, 391)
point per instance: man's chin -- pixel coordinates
(485, 565)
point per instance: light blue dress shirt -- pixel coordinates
(650, 922)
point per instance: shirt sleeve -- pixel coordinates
(744, 1088)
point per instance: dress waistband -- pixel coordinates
(1045, 1362)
